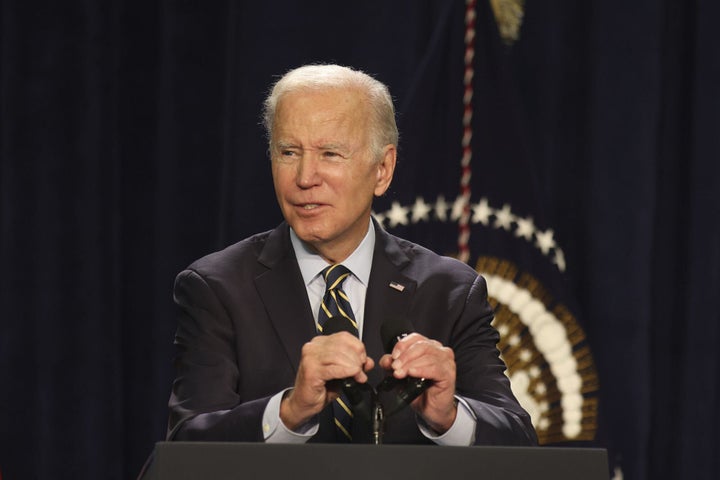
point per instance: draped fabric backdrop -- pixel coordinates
(130, 145)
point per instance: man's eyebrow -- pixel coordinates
(334, 146)
(282, 144)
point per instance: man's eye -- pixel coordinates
(286, 156)
(328, 154)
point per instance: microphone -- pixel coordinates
(409, 388)
(338, 324)
(349, 386)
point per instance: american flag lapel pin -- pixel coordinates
(397, 286)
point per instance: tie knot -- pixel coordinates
(334, 276)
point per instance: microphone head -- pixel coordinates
(337, 324)
(392, 330)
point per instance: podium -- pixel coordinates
(235, 461)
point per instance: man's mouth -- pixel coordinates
(310, 206)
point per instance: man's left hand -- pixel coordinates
(420, 357)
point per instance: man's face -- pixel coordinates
(324, 171)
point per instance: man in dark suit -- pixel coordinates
(251, 365)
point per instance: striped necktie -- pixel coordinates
(335, 303)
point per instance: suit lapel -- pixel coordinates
(284, 295)
(389, 293)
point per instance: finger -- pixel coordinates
(361, 376)
(386, 362)
(417, 349)
(369, 364)
(405, 343)
(341, 341)
(443, 372)
(335, 358)
(420, 353)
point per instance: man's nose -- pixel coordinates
(308, 174)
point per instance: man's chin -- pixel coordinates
(311, 238)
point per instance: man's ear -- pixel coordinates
(385, 169)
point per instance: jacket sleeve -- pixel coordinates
(204, 403)
(481, 380)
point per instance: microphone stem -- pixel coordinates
(378, 423)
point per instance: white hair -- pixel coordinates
(383, 128)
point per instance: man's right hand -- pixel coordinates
(323, 359)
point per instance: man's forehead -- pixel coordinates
(328, 122)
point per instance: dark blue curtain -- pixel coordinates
(130, 145)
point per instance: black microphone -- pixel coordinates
(338, 324)
(408, 389)
(349, 386)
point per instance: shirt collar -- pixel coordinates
(359, 262)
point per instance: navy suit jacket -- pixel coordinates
(246, 315)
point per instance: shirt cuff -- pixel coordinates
(462, 431)
(275, 431)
